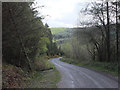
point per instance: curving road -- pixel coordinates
(78, 77)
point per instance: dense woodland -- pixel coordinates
(98, 39)
(25, 39)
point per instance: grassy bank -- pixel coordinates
(110, 68)
(45, 79)
(44, 75)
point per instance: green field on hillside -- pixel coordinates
(61, 35)
(57, 30)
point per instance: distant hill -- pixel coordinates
(58, 30)
(60, 35)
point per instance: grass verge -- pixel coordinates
(110, 68)
(43, 76)
(45, 79)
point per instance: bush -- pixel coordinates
(47, 57)
(42, 63)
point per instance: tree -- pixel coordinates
(108, 33)
(103, 19)
(25, 37)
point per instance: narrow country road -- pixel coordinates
(78, 77)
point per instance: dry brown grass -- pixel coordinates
(12, 77)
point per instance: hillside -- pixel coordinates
(60, 35)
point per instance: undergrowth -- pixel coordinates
(17, 77)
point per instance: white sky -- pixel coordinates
(62, 13)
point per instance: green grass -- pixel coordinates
(62, 39)
(45, 79)
(110, 68)
(59, 40)
(61, 35)
(45, 76)
(57, 30)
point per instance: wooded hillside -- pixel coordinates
(26, 41)
(25, 38)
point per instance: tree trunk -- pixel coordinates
(108, 33)
(117, 31)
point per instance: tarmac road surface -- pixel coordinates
(78, 77)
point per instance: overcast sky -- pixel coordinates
(62, 13)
